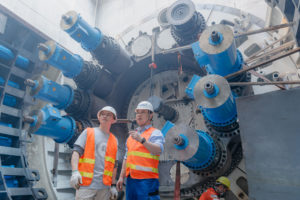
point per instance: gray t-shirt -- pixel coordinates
(101, 139)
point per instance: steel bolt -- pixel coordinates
(29, 82)
(43, 47)
(28, 119)
(178, 140)
(275, 76)
(209, 87)
(67, 19)
(215, 37)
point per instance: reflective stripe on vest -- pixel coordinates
(141, 168)
(87, 160)
(141, 154)
(107, 173)
(140, 163)
(110, 159)
(86, 174)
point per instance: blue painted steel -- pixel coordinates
(70, 64)
(185, 142)
(10, 83)
(223, 63)
(10, 100)
(168, 125)
(34, 123)
(216, 92)
(5, 141)
(2, 81)
(10, 166)
(22, 62)
(11, 181)
(6, 54)
(60, 128)
(222, 115)
(5, 124)
(200, 56)
(36, 84)
(205, 154)
(206, 149)
(60, 95)
(89, 38)
(190, 88)
(13, 84)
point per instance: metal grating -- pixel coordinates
(16, 179)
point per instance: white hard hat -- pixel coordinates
(146, 105)
(110, 109)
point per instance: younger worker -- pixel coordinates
(93, 160)
(222, 185)
(140, 164)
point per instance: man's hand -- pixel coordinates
(136, 136)
(120, 184)
(113, 192)
(76, 179)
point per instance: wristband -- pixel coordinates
(143, 140)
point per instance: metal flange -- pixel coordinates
(68, 20)
(181, 154)
(219, 99)
(227, 41)
(180, 12)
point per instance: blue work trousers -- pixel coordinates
(139, 189)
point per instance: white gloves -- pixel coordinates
(113, 192)
(76, 179)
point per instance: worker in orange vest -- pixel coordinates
(94, 160)
(140, 165)
(221, 187)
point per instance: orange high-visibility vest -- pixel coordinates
(209, 194)
(140, 163)
(87, 160)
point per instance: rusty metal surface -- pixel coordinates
(177, 182)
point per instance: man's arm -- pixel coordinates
(114, 173)
(78, 149)
(122, 176)
(153, 148)
(76, 178)
(75, 160)
(123, 170)
(113, 188)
